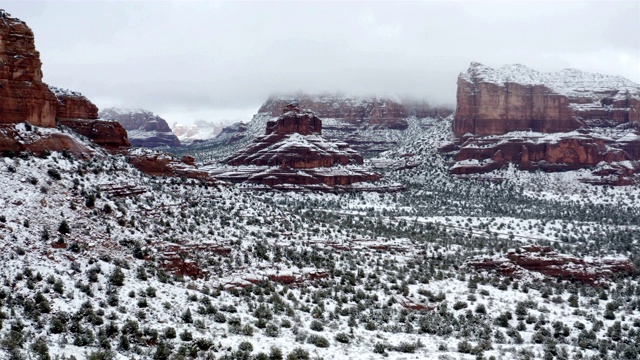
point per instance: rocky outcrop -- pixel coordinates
(145, 129)
(294, 140)
(73, 105)
(550, 121)
(369, 125)
(293, 152)
(79, 114)
(26, 101)
(23, 138)
(25, 98)
(162, 164)
(108, 134)
(541, 259)
(23, 95)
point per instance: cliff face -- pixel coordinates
(23, 95)
(516, 98)
(79, 114)
(490, 109)
(144, 127)
(26, 101)
(551, 121)
(74, 105)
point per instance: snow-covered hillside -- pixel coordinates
(101, 261)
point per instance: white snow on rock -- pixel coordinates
(569, 82)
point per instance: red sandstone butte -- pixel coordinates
(550, 121)
(23, 95)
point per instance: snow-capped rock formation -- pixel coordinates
(550, 121)
(369, 125)
(30, 111)
(294, 152)
(25, 98)
(144, 127)
(73, 105)
(517, 98)
(295, 140)
(79, 114)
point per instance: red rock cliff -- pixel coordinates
(516, 98)
(23, 95)
(74, 105)
(551, 121)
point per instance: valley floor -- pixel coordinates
(102, 262)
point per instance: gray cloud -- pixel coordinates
(209, 59)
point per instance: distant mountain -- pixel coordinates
(368, 125)
(200, 130)
(144, 127)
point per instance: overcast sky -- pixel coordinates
(221, 60)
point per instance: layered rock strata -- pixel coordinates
(145, 129)
(358, 112)
(368, 125)
(73, 105)
(551, 121)
(23, 95)
(294, 152)
(516, 98)
(30, 110)
(80, 115)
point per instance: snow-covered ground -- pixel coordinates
(355, 275)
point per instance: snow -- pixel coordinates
(390, 239)
(60, 92)
(570, 82)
